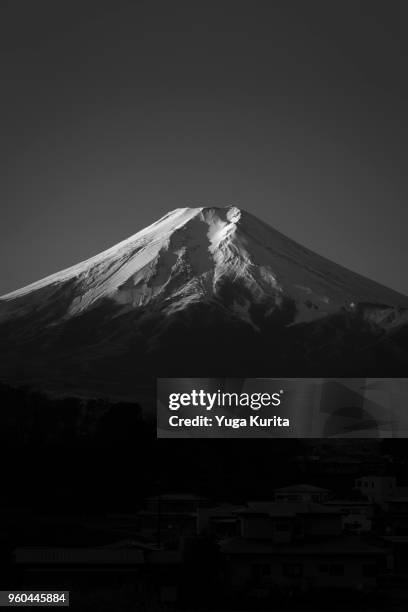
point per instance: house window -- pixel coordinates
(291, 498)
(293, 570)
(260, 570)
(333, 569)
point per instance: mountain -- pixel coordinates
(203, 291)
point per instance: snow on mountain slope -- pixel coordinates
(189, 256)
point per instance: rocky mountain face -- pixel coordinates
(202, 292)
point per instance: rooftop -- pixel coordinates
(349, 545)
(301, 488)
(287, 508)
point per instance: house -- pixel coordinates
(299, 546)
(399, 545)
(345, 562)
(168, 517)
(285, 522)
(397, 515)
(356, 516)
(84, 565)
(376, 488)
(301, 493)
(156, 571)
(220, 521)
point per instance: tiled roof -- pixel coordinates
(302, 488)
(287, 508)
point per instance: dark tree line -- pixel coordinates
(30, 417)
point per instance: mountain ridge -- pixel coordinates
(201, 290)
(217, 242)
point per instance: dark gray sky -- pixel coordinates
(113, 113)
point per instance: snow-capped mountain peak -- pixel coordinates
(207, 289)
(199, 254)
